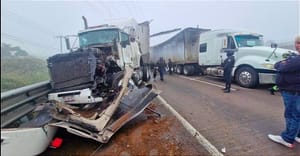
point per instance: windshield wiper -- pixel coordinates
(273, 45)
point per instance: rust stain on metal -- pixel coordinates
(120, 122)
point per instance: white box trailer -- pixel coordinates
(182, 49)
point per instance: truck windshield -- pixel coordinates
(248, 40)
(98, 37)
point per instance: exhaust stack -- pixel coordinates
(85, 22)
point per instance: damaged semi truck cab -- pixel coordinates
(99, 63)
(114, 42)
(102, 78)
(254, 62)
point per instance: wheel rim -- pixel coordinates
(178, 70)
(185, 71)
(148, 74)
(245, 78)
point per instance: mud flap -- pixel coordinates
(130, 107)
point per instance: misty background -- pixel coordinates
(35, 26)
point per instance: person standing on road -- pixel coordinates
(161, 68)
(155, 70)
(288, 81)
(228, 65)
(170, 66)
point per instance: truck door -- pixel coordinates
(228, 43)
(202, 54)
(126, 49)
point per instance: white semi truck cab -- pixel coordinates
(254, 62)
(119, 43)
(90, 71)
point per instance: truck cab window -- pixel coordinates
(124, 37)
(98, 37)
(231, 44)
(203, 47)
(249, 40)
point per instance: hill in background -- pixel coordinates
(18, 72)
(18, 69)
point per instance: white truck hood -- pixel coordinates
(264, 51)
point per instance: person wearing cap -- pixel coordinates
(288, 81)
(228, 65)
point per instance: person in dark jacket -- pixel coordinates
(155, 70)
(170, 66)
(228, 65)
(275, 88)
(161, 68)
(288, 81)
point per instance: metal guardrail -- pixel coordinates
(18, 102)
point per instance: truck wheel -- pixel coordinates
(146, 74)
(188, 70)
(179, 69)
(246, 77)
(116, 80)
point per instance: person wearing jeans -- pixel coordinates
(288, 80)
(161, 68)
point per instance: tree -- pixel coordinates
(5, 50)
(19, 52)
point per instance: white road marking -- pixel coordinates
(200, 138)
(213, 84)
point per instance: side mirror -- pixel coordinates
(124, 43)
(67, 40)
(274, 45)
(132, 39)
(226, 50)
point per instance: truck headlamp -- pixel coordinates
(268, 65)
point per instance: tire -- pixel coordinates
(179, 69)
(116, 79)
(146, 74)
(246, 77)
(188, 70)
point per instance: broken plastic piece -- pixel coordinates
(56, 143)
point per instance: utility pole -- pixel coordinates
(60, 38)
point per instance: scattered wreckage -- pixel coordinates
(31, 134)
(102, 120)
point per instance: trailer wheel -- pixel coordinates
(246, 77)
(179, 69)
(188, 70)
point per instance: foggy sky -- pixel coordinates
(33, 25)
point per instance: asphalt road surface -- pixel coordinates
(238, 121)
